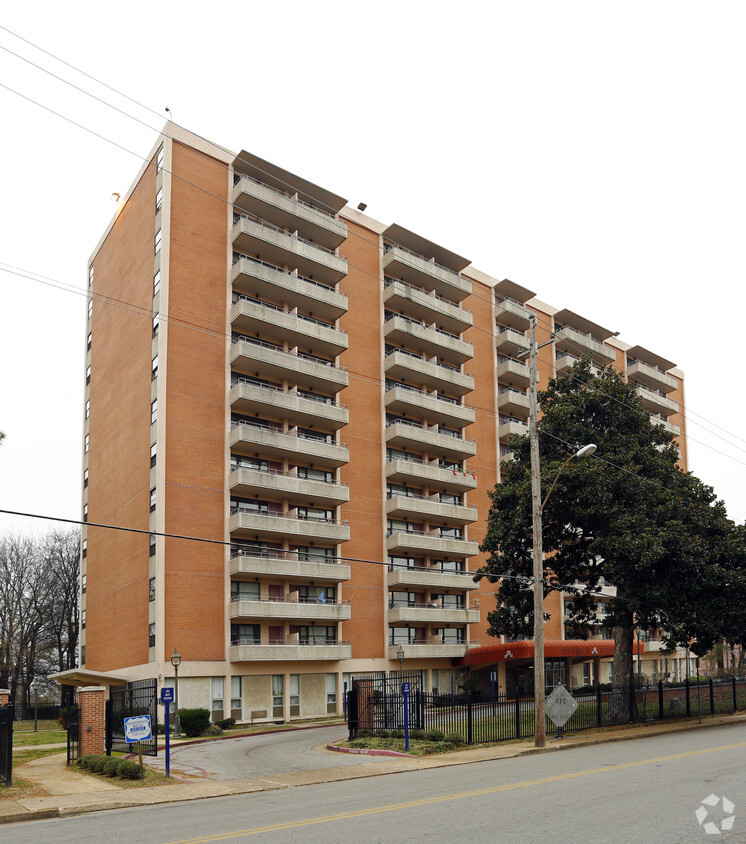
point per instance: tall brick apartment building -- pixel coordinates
(326, 399)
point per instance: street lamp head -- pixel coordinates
(586, 450)
(176, 659)
(400, 652)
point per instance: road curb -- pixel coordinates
(369, 751)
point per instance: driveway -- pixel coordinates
(262, 755)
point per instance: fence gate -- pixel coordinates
(377, 703)
(138, 698)
(6, 744)
(73, 733)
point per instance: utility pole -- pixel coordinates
(538, 550)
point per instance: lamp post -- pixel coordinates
(537, 506)
(35, 690)
(176, 662)
(400, 654)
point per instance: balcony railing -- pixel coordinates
(388, 248)
(279, 514)
(291, 196)
(301, 394)
(242, 338)
(252, 218)
(289, 640)
(282, 473)
(237, 256)
(287, 599)
(294, 556)
(277, 429)
(388, 281)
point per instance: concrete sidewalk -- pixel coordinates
(68, 792)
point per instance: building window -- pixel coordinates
(278, 695)
(331, 693)
(152, 499)
(90, 276)
(159, 161)
(217, 690)
(151, 635)
(153, 454)
(82, 619)
(85, 479)
(83, 583)
(88, 344)
(242, 590)
(152, 545)
(235, 693)
(153, 411)
(245, 634)
(156, 324)
(88, 375)
(295, 694)
(85, 512)
(87, 436)
(154, 369)
(158, 237)
(90, 308)
(151, 589)
(156, 283)
(82, 654)
(159, 200)
(85, 549)
(87, 408)
(326, 635)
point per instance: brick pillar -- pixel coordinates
(92, 719)
(4, 696)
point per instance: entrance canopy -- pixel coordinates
(80, 677)
(576, 649)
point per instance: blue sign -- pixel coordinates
(137, 728)
(405, 687)
(167, 695)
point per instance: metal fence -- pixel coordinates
(377, 706)
(6, 744)
(72, 714)
(139, 698)
(43, 712)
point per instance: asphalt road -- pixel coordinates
(635, 791)
(263, 755)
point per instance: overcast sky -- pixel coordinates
(593, 152)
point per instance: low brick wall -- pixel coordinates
(92, 719)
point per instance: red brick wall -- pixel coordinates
(92, 704)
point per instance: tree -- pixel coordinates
(629, 515)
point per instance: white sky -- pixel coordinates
(593, 152)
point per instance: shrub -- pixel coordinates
(194, 721)
(97, 764)
(364, 733)
(454, 738)
(397, 734)
(384, 734)
(227, 723)
(212, 730)
(435, 735)
(111, 766)
(84, 761)
(128, 770)
(417, 734)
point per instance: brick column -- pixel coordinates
(92, 719)
(4, 696)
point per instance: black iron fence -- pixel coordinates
(376, 706)
(139, 698)
(43, 712)
(73, 733)
(6, 744)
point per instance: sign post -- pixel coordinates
(137, 728)
(405, 687)
(167, 696)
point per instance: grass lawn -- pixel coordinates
(42, 737)
(28, 726)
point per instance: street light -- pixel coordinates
(176, 662)
(400, 654)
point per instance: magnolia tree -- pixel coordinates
(629, 515)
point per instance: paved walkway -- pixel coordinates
(68, 792)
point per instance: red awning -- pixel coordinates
(574, 648)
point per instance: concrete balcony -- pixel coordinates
(271, 526)
(565, 361)
(510, 342)
(666, 425)
(429, 509)
(428, 341)
(428, 651)
(651, 376)
(431, 615)
(511, 427)
(271, 244)
(416, 269)
(417, 472)
(289, 610)
(428, 374)
(400, 400)
(287, 487)
(571, 340)
(272, 363)
(256, 653)
(288, 212)
(512, 314)
(264, 281)
(249, 398)
(287, 565)
(657, 404)
(251, 317)
(418, 438)
(426, 307)
(430, 578)
(514, 373)
(513, 402)
(408, 544)
(248, 439)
